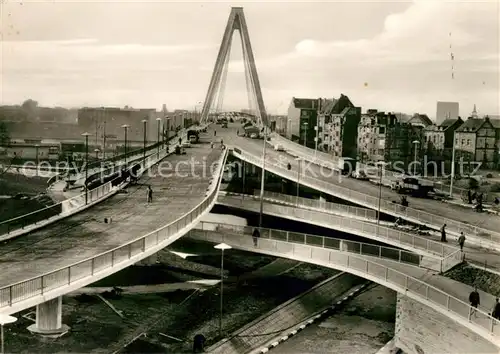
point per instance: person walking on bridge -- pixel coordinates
(255, 235)
(150, 194)
(461, 241)
(443, 233)
(475, 301)
(495, 312)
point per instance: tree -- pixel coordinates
(30, 107)
(4, 135)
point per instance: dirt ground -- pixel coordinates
(95, 328)
(485, 281)
(364, 325)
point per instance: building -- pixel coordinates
(302, 118)
(421, 120)
(372, 131)
(446, 110)
(439, 141)
(338, 127)
(477, 141)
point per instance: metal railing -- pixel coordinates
(314, 252)
(52, 212)
(357, 227)
(369, 201)
(67, 275)
(363, 213)
(361, 248)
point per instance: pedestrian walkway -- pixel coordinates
(444, 295)
(180, 198)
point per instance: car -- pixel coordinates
(186, 144)
(254, 136)
(279, 147)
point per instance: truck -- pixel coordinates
(193, 136)
(417, 187)
(346, 165)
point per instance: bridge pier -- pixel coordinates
(49, 319)
(149, 261)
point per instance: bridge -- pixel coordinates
(116, 227)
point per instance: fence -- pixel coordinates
(65, 276)
(53, 212)
(357, 227)
(372, 202)
(314, 252)
(321, 205)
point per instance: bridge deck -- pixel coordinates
(84, 235)
(450, 211)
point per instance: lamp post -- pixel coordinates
(86, 135)
(298, 176)
(262, 178)
(167, 120)
(222, 247)
(36, 159)
(415, 142)
(452, 167)
(5, 319)
(144, 122)
(316, 139)
(125, 128)
(158, 120)
(381, 166)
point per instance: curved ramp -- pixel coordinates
(46, 285)
(481, 236)
(316, 252)
(438, 256)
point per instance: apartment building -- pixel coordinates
(477, 140)
(302, 120)
(372, 133)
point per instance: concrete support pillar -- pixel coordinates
(149, 261)
(49, 319)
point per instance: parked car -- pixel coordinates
(279, 147)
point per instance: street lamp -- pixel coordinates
(167, 120)
(125, 128)
(452, 167)
(416, 142)
(144, 122)
(158, 136)
(262, 180)
(5, 319)
(299, 159)
(86, 135)
(36, 158)
(222, 247)
(381, 166)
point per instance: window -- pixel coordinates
(434, 139)
(468, 142)
(463, 141)
(381, 130)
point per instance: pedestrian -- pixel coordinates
(497, 201)
(469, 196)
(255, 235)
(289, 166)
(237, 132)
(150, 195)
(215, 132)
(474, 301)
(461, 241)
(443, 233)
(495, 312)
(212, 145)
(398, 222)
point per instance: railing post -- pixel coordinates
(379, 251)
(360, 248)
(144, 243)
(470, 313)
(386, 273)
(427, 292)
(287, 236)
(69, 275)
(427, 245)
(442, 250)
(323, 242)
(406, 282)
(129, 250)
(92, 265)
(112, 258)
(367, 267)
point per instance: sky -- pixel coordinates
(391, 56)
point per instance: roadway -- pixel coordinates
(450, 211)
(85, 234)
